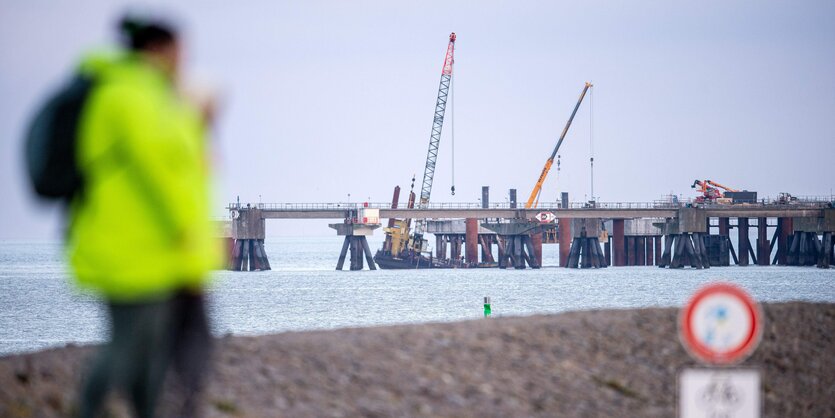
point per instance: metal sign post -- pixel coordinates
(721, 325)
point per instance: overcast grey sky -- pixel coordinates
(326, 98)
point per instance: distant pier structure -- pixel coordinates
(247, 239)
(355, 229)
(588, 235)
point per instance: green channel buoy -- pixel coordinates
(487, 309)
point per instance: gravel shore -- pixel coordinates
(595, 363)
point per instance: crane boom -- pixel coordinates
(533, 200)
(435, 136)
(437, 124)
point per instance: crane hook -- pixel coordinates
(452, 190)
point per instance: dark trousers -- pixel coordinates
(190, 348)
(145, 339)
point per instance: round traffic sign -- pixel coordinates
(721, 324)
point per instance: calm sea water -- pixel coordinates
(39, 306)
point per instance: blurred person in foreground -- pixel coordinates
(140, 235)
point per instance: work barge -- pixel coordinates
(588, 235)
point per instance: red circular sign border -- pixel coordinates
(702, 352)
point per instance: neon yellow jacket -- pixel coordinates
(141, 228)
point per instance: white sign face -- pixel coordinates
(545, 217)
(715, 393)
(721, 323)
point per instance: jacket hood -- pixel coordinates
(108, 63)
(98, 62)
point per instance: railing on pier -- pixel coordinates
(801, 202)
(443, 205)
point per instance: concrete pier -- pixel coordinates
(685, 242)
(355, 244)
(516, 246)
(812, 243)
(248, 231)
(585, 247)
(634, 241)
(457, 237)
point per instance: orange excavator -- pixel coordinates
(710, 193)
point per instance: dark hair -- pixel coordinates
(139, 33)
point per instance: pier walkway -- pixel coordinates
(630, 232)
(605, 210)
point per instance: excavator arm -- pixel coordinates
(709, 189)
(725, 188)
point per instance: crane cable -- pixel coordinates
(452, 129)
(591, 137)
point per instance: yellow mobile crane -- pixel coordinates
(533, 200)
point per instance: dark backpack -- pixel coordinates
(51, 141)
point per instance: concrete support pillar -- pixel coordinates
(248, 255)
(763, 248)
(486, 248)
(355, 247)
(743, 244)
(564, 240)
(455, 247)
(261, 253)
(785, 230)
(825, 251)
(356, 256)
(585, 253)
(518, 254)
(440, 251)
(724, 226)
(248, 231)
(229, 245)
(517, 251)
(536, 241)
(618, 243)
(640, 251)
(650, 248)
(657, 240)
(445, 244)
(678, 253)
(502, 244)
(832, 249)
(630, 251)
(471, 240)
(607, 252)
